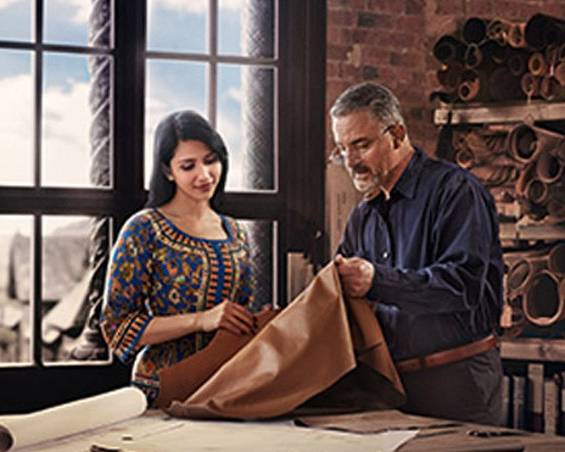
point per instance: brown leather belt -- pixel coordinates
(446, 356)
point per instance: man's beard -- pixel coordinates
(369, 184)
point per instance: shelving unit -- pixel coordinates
(522, 230)
(522, 352)
(533, 349)
(536, 110)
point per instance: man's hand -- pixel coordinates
(356, 275)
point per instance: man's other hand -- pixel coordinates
(356, 275)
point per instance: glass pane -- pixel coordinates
(171, 86)
(177, 26)
(78, 22)
(76, 120)
(15, 20)
(246, 122)
(16, 118)
(246, 27)
(261, 235)
(68, 242)
(15, 305)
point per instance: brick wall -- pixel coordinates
(390, 42)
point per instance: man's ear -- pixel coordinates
(398, 133)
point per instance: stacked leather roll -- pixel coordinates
(540, 189)
(525, 164)
(486, 154)
(524, 169)
(492, 60)
(535, 285)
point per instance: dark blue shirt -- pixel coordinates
(437, 257)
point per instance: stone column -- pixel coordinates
(91, 345)
(258, 144)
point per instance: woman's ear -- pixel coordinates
(167, 172)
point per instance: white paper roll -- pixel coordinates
(70, 418)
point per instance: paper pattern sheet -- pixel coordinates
(157, 432)
(26, 429)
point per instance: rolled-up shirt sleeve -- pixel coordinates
(456, 279)
(124, 314)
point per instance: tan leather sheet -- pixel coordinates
(318, 354)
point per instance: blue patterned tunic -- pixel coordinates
(158, 270)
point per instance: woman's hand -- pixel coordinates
(229, 316)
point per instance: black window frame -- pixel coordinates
(297, 206)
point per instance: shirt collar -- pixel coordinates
(408, 181)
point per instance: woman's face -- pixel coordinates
(195, 170)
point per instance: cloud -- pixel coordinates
(66, 121)
(235, 94)
(16, 116)
(7, 3)
(66, 144)
(82, 10)
(65, 132)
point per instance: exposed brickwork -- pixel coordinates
(390, 41)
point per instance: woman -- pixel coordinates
(179, 270)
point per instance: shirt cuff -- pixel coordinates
(125, 342)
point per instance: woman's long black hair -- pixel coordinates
(176, 127)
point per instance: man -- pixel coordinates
(423, 246)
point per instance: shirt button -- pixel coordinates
(385, 254)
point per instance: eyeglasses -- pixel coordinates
(358, 148)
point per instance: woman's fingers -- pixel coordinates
(244, 315)
(235, 325)
(237, 316)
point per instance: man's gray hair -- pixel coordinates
(372, 97)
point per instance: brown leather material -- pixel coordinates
(179, 381)
(447, 356)
(307, 356)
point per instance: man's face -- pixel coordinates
(367, 149)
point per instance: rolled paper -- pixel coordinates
(498, 30)
(526, 142)
(473, 56)
(18, 431)
(521, 273)
(556, 259)
(474, 30)
(449, 49)
(516, 36)
(551, 89)
(543, 304)
(530, 85)
(549, 168)
(537, 64)
(543, 30)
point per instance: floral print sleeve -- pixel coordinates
(245, 294)
(124, 313)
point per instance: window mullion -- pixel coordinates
(38, 85)
(36, 292)
(213, 65)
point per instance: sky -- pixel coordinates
(177, 25)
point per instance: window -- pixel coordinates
(83, 85)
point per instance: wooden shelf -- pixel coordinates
(538, 110)
(533, 349)
(531, 231)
